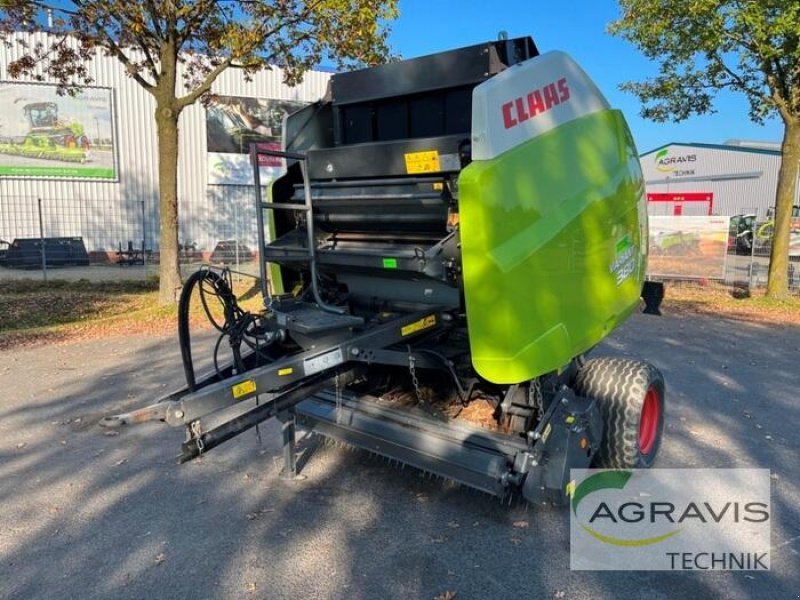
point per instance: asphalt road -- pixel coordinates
(88, 515)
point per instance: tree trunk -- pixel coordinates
(778, 282)
(169, 273)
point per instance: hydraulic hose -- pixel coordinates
(233, 322)
(184, 337)
(238, 325)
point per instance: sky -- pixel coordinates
(577, 27)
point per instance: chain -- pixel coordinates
(197, 433)
(338, 398)
(535, 398)
(412, 368)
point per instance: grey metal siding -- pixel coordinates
(740, 180)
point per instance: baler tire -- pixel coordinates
(631, 397)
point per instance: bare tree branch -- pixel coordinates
(154, 18)
(204, 87)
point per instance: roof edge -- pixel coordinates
(715, 147)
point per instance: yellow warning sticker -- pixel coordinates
(546, 432)
(286, 371)
(422, 162)
(416, 326)
(248, 386)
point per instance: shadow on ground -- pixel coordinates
(85, 514)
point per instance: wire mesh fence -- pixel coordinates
(117, 238)
(750, 270)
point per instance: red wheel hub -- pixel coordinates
(648, 422)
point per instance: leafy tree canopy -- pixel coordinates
(703, 46)
(206, 36)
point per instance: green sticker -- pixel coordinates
(389, 263)
(624, 244)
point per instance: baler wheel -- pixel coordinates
(630, 395)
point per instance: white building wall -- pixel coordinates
(109, 213)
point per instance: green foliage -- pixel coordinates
(203, 36)
(703, 46)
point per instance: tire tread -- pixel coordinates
(620, 385)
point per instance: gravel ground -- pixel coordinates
(84, 514)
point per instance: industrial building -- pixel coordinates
(737, 177)
(90, 161)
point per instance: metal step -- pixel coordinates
(361, 183)
(310, 320)
(283, 206)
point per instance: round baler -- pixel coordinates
(453, 231)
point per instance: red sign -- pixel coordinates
(681, 197)
(678, 198)
(269, 161)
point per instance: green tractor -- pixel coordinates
(51, 138)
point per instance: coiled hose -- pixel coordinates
(238, 325)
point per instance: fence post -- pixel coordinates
(41, 241)
(236, 237)
(750, 284)
(144, 242)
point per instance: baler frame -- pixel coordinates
(293, 389)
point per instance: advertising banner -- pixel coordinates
(232, 124)
(45, 135)
(688, 247)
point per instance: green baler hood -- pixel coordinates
(554, 242)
